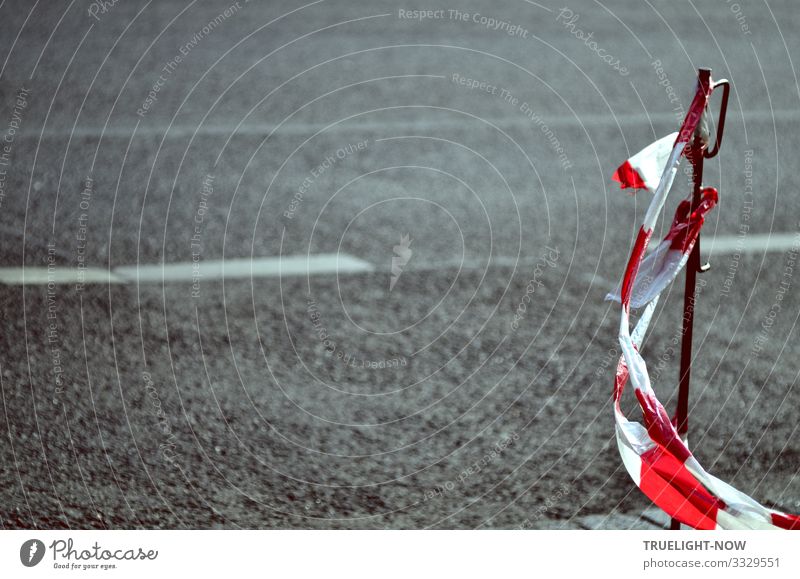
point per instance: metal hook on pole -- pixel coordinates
(723, 112)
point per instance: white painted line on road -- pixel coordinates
(416, 124)
(750, 243)
(723, 245)
(294, 265)
(56, 275)
(332, 263)
(323, 263)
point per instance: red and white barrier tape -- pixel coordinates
(653, 453)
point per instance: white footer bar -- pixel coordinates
(399, 554)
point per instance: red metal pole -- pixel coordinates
(697, 154)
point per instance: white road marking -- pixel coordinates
(332, 263)
(724, 245)
(56, 275)
(294, 265)
(750, 243)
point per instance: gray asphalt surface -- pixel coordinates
(332, 401)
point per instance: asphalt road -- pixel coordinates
(462, 155)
